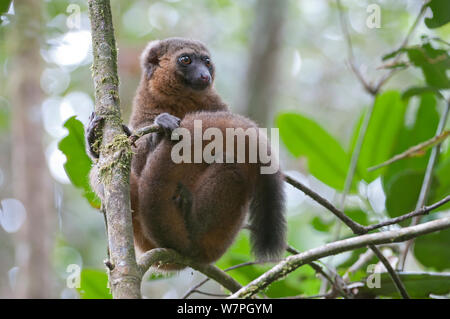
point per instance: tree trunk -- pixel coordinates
(263, 71)
(115, 156)
(32, 184)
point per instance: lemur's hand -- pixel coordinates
(168, 123)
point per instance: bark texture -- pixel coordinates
(115, 155)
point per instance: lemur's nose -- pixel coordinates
(205, 78)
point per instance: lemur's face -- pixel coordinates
(195, 68)
(178, 66)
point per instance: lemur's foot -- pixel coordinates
(126, 130)
(168, 123)
(183, 199)
(93, 131)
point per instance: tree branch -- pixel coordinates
(293, 262)
(419, 212)
(144, 131)
(160, 256)
(354, 226)
(115, 155)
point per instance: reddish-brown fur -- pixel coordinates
(221, 193)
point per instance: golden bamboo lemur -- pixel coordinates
(196, 209)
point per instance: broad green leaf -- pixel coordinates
(326, 158)
(403, 192)
(382, 133)
(442, 173)
(358, 216)
(433, 251)
(434, 64)
(94, 285)
(441, 13)
(4, 6)
(424, 128)
(78, 164)
(418, 285)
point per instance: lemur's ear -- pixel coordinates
(150, 57)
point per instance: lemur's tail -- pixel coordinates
(267, 217)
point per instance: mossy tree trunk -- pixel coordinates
(115, 155)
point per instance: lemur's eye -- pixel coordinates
(185, 59)
(207, 61)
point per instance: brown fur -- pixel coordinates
(221, 193)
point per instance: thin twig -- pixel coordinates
(210, 294)
(362, 260)
(426, 184)
(414, 150)
(351, 57)
(405, 42)
(354, 226)
(318, 268)
(291, 263)
(418, 212)
(394, 275)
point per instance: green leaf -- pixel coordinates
(382, 133)
(441, 13)
(94, 285)
(433, 62)
(442, 173)
(358, 216)
(78, 164)
(403, 192)
(326, 158)
(5, 115)
(424, 128)
(321, 225)
(391, 55)
(417, 90)
(303, 281)
(418, 285)
(4, 6)
(432, 250)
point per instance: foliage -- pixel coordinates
(419, 285)
(401, 118)
(78, 163)
(389, 134)
(94, 284)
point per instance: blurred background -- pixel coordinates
(270, 56)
